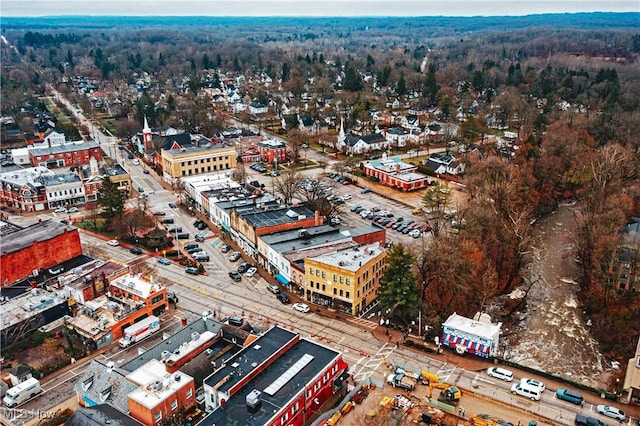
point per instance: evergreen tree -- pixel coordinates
(111, 199)
(398, 292)
(352, 80)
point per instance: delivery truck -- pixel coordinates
(22, 392)
(139, 331)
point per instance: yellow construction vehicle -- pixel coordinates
(449, 394)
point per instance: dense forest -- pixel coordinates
(567, 85)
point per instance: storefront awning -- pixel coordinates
(281, 279)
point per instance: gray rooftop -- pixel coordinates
(101, 415)
(171, 344)
(265, 218)
(67, 147)
(41, 231)
(99, 384)
(60, 179)
(288, 241)
(253, 358)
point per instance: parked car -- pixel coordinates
(235, 276)
(235, 256)
(365, 190)
(164, 261)
(283, 298)
(202, 226)
(200, 238)
(194, 250)
(191, 246)
(613, 412)
(273, 289)
(159, 213)
(346, 197)
(225, 248)
(113, 243)
(500, 373)
(72, 209)
(135, 250)
(570, 396)
(533, 382)
(301, 307)
(191, 270)
(201, 256)
(244, 267)
(251, 272)
(172, 205)
(174, 229)
(60, 210)
(145, 171)
(354, 208)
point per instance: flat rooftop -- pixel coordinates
(141, 285)
(28, 305)
(155, 384)
(288, 241)
(280, 216)
(471, 326)
(41, 231)
(278, 383)
(351, 259)
(67, 147)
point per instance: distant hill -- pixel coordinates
(430, 25)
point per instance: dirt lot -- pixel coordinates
(372, 413)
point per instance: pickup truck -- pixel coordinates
(588, 421)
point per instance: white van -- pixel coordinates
(22, 392)
(527, 391)
(500, 373)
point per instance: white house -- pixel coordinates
(257, 108)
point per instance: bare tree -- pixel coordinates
(437, 201)
(287, 185)
(297, 138)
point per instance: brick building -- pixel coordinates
(65, 155)
(272, 150)
(24, 189)
(129, 299)
(160, 395)
(279, 379)
(36, 248)
(395, 173)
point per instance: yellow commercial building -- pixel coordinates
(346, 280)
(196, 160)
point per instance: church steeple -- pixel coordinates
(341, 136)
(147, 136)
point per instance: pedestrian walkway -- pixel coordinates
(363, 323)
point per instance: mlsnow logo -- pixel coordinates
(16, 414)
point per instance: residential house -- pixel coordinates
(257, 108)
(444, 164)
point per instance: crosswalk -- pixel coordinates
(361, 322)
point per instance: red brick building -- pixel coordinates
(65, 155)
(395, 173)
(37, 248)
(271, 150)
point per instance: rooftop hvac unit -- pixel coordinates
(253, 399)
(195, 336)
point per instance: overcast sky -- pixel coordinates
(309, 8)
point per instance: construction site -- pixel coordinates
(411, 396)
